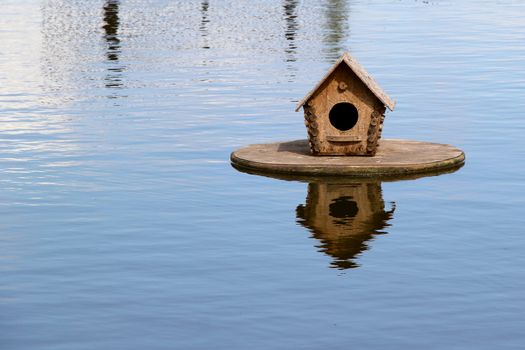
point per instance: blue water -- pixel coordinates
(123, 225)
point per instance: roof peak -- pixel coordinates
(361, 73)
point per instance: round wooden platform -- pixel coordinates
(393, 158)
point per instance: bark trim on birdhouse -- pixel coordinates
(344, 113)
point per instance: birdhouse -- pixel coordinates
(344, 113)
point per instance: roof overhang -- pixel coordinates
(361, 73)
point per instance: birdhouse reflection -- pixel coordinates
(344, 218)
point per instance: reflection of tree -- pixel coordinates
(204, 23)
(343, 217)
(336, 28)
(111, 23)
(290, 16)
(111, 26)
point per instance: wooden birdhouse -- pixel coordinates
(344, 113)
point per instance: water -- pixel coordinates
(123, 225)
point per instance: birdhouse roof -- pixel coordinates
(361, 73)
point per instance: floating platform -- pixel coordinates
(393, 158)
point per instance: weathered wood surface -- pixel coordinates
(370, 114)
(347, 85)
(394, 157)
(363, 75)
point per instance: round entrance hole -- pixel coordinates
(343, 116)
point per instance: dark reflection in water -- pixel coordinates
(344, 217)
(111, 26)
(290, 16)
(111, 23)
(204, 23)
(344, 214)
(336, 28)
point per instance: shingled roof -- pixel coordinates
(361, 73)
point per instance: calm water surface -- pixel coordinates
(123, 225)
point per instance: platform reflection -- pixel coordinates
(345, 214)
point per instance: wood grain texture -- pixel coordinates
(393, 157)
(363, 75)
(343, 86)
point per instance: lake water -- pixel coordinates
(124, 226)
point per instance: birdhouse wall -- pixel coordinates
(343, 86)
